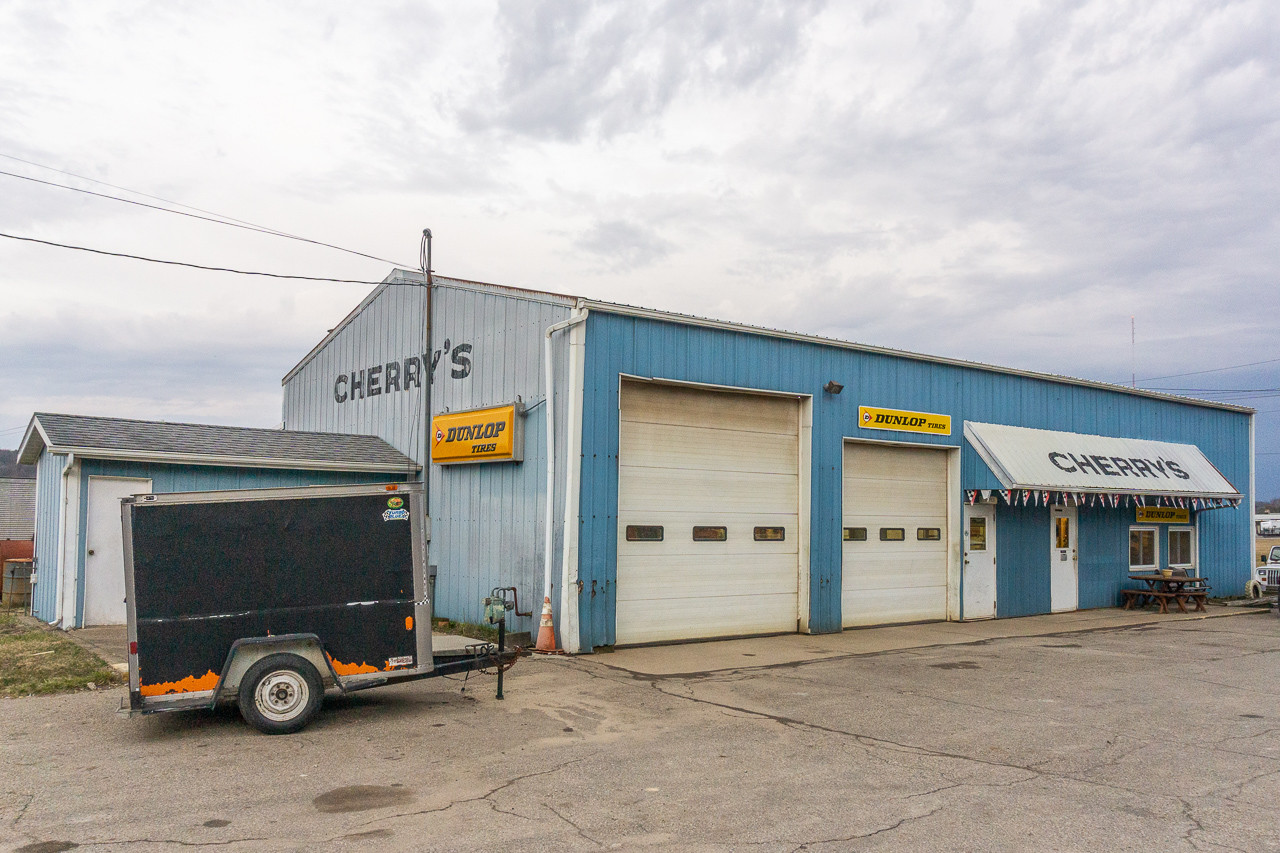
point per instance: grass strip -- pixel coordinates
(34, 661)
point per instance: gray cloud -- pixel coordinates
(1002, 184)
(624, 245)
(573, 68)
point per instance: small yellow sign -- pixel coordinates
(900, 421)
(1163, 515)
(480, 435)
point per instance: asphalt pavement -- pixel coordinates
(1054, 733)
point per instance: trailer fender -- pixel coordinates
(247, 651)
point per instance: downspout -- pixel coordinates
(60, 562)
(579, 315)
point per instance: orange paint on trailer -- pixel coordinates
(351, 668)
(190, 684)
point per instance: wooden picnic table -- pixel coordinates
(1160, 590)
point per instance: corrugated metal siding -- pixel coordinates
(391, 329)
(487, 519)
(49, 468)
(1022, 561)
(655, 348)
(17, 508)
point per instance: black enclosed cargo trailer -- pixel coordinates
(268, 597)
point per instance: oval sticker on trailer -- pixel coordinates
(395, 515)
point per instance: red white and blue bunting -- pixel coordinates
(1029, 497)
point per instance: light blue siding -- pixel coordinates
(49, 468)
(209, 478)
(388, 328)
(488, 520)
(619, 344)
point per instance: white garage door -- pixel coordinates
(726, 464)
(895, 504)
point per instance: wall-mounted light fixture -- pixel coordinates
(833, 387)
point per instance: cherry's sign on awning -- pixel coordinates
(1041, 459)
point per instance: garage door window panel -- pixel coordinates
(644, 533)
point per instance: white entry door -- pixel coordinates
(104, 549)
(1064, 584)
(980, 561)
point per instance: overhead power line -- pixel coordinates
(1214, 370)
(1219, 390)
(213, 217)
(184, 263)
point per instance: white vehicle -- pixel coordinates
(1266, 577)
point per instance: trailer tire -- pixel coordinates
(280, 694)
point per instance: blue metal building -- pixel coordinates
(86, 464)
(712, 479)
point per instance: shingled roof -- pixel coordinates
(207, 444)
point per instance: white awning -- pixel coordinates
(1042, 459)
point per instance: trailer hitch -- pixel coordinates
(500, 592)
(496, 607)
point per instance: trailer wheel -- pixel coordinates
(280, 694)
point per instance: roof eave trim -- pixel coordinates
(33, 430)
(685, 319)
(235, 461)
(397, 275)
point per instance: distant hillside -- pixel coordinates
(9, 466)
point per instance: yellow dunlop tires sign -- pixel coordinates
(900, 421)
(480, 435)
(1163, 515)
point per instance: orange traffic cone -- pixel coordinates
(546, 630)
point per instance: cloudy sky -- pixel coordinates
(1009, 185)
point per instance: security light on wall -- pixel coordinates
(833, 387)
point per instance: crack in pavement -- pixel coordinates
(1238, 787)
(484, 796)
(809, 844)
(1243, 687)
(872, 742)
(22, 812)
(576, 828)
(180, 843)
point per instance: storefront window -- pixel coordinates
(1180, 550)
(1142, 547)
